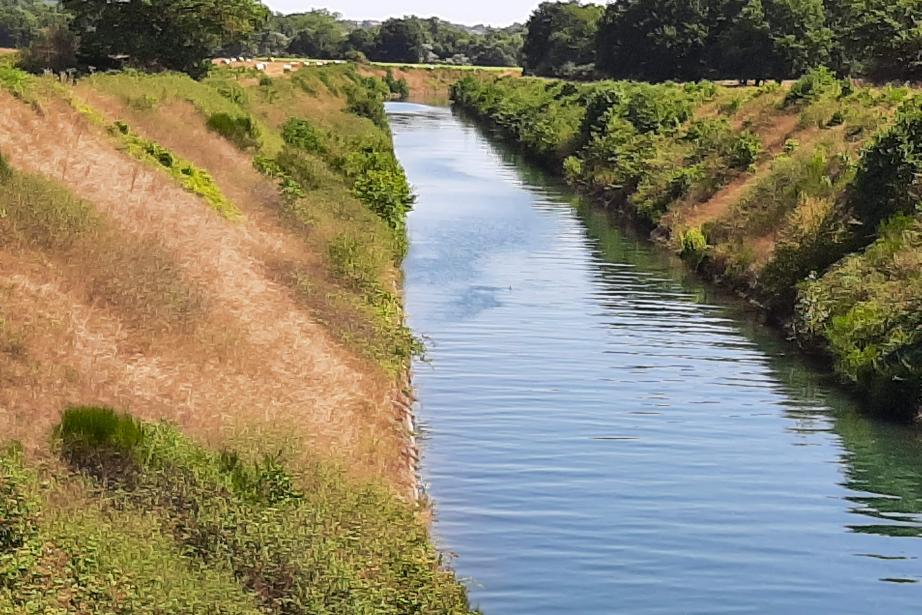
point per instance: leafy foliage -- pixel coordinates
(311, 543)
(242, 131)
(560, 37)
(867, 310)
(161, 34)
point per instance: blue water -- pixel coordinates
(604, 434)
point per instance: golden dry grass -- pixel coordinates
(250, 362)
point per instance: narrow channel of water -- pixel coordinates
(604, 434)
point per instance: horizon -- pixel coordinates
(476, 12)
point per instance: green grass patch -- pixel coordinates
(192, 178)
(309, 542)
(35, 211)
(221, 97)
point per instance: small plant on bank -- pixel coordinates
(302, 134)
(242, 131)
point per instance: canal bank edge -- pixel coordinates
(276, 376)
(784, 194)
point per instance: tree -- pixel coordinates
(656, 40)
(55, 49)
(400, 40)
(319, 34)
(881, 39)
(23, 21)
(162, 34)
(777, 39)
(560, 33)
(360, 41)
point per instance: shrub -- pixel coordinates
(694, 246)
(317, 542)
(399, 88)
(810, 240)
(867, 311)
(812, 85)
(300, 133)
(18, 513)
(744, 151)
(242, 131)
(192, 178)
(365, 105)
(387, 192)
(888, 177)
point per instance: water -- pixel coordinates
(603, 434)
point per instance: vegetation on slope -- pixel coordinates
(340, 180)
(159, 524)
(775, 191)
(123, 516)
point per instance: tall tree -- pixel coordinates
(881, 39)
(162, 34)
(775, 39)
(320, 34)
(656, 39)
(560, 33)
(400, 40)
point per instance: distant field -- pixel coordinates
(276, 66)
(5, 50)
(499, 69)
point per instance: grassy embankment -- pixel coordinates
(803, 197)
(219, 259)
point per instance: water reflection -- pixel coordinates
(606, 434)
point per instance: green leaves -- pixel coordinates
(162, 34)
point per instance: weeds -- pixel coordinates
(315, 542)
(189, 176)
(242, 131)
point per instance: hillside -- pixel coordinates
(220, 260)
(800, 197)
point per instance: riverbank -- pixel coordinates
(793, 196)
(220, 260)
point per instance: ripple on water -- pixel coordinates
(602, 435)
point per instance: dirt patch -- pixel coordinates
(774, 135)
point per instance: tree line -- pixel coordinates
(687, 40)
(325, 35)
(183, 34)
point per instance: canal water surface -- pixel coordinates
(601, 433)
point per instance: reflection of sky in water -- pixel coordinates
(602, 435)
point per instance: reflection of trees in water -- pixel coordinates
(881, 461)
(883, 465)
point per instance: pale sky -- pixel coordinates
(468, 12)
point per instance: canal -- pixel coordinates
(603, 433)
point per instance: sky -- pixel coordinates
(468, 12)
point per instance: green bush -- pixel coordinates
(302, 134)
(313, 543)
(242, 131)
(192, 178)
(694, 246)
(888, 176)
(867, 311)
(744, 151)
(399, 88)
(812, 85)
(18, 512)
(88, 430)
